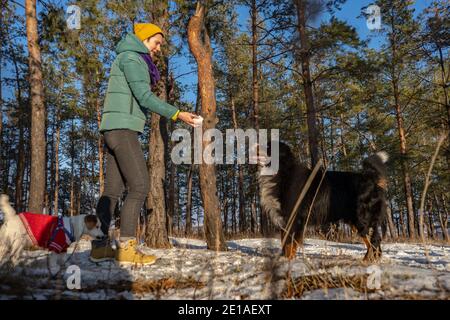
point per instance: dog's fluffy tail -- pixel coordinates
(383, 156)
(375, 167)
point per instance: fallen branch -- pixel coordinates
(427, 184)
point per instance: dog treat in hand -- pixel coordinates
(198, 122)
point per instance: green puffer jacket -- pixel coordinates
(129, 97)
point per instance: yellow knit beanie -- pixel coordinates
(146, 30)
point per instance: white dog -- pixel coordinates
(14, 237)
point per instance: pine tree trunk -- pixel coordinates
(253, 213)
(79, 193)
(72, 169)
(402, 135)
(27, 176)
(443, 217)
(56, 194)
(265, 221)
(307, 82)
(344, 149)
(429, 222)
(445, 220)
(333, 151)
(188, 229)
(37, 183)
(405, 173)
(54, 166)
(156, 233)
(402, 230)
(171, 196)
(2, 172)
(72, 197)
(98, 108)
(255, 83)
(396, 221)
(203, 55)
(51, 154)
(444, 85)
(46, 208)
(93, 179)
(233, 211)
(403, 223)
(322, 142)
(7, 165)
(177, 205)
(224, 195)
(242, 220)
(199, 230)
(171, 214)
(20, 170)
(391, 226)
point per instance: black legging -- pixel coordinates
(125, 166)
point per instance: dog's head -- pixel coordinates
(375, 167)
(93, 226)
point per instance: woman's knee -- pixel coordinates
(139, 188)
(113, 194)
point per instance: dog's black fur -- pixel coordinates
(358, 199)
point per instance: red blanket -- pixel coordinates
(41, 227)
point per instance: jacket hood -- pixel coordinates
(131, 43)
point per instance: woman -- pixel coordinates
(128, 99)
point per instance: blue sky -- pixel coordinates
(349, 13)
(181, 64)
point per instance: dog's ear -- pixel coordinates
(4, 198)
(91, 221)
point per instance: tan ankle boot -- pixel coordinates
(127, 253)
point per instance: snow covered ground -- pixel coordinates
(250, 269)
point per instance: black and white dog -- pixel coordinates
(358, 199)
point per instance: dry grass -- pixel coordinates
(156, 287)
(295, 288)
(141, 287)
(20, 286)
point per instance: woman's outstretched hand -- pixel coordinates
(190, 118)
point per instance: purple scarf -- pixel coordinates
(152, 70)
